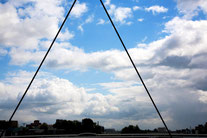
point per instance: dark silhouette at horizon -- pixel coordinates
(86, 126)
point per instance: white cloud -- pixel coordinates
(79, 9)
(191, 8)
(95, 59)
(65, 35)
(23, 28)
(135, 8)
(48, 89)
(168, 88)
(183, 51)
(186, 35)
(107, 2)
(180, 43)
(143, 40)
(129, 23)
(54, 97)
(39, 21)
(21, 56)
(203, 96)
(117, 84)
(140, 20)
(80, 27)
(122, 13)
(101, 21)
(156, 9)
(3, 52)
(89, 19)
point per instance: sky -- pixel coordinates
(87, 74)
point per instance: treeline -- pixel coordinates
(200, 129)
(60, 127)
(76, 127)
(135, 129)
(85, 126)
(131, 129)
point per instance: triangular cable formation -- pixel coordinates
(138, 74)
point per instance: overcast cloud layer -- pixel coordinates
(174, 67)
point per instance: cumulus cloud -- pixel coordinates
(156, 9)
(174, 70)
(120, 14)
(65, 35)
(170, 72)
(54, 97)
(191, 8)
(25, 23)
(186, 35)
(110, 60)
(38, 21)
(167, 65)
(79, 9)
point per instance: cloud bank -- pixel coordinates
(173, 67)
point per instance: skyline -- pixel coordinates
(87, 73)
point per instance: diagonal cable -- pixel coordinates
(40, 64)
(136, 69)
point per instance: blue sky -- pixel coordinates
(87, 72)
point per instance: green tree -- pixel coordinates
(131, 129)
(88, 125)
